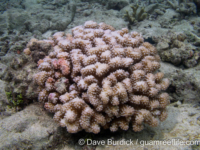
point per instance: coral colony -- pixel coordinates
(102, 78)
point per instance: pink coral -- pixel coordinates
(102, 78)
(64, 66)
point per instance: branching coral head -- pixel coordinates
(102, 78)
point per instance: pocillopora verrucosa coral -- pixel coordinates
(102, 78)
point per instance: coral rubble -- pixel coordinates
(183, 7)
(174, 47)
(100, 77)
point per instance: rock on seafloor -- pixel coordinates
(31, 128)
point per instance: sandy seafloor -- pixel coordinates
(32, 127)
